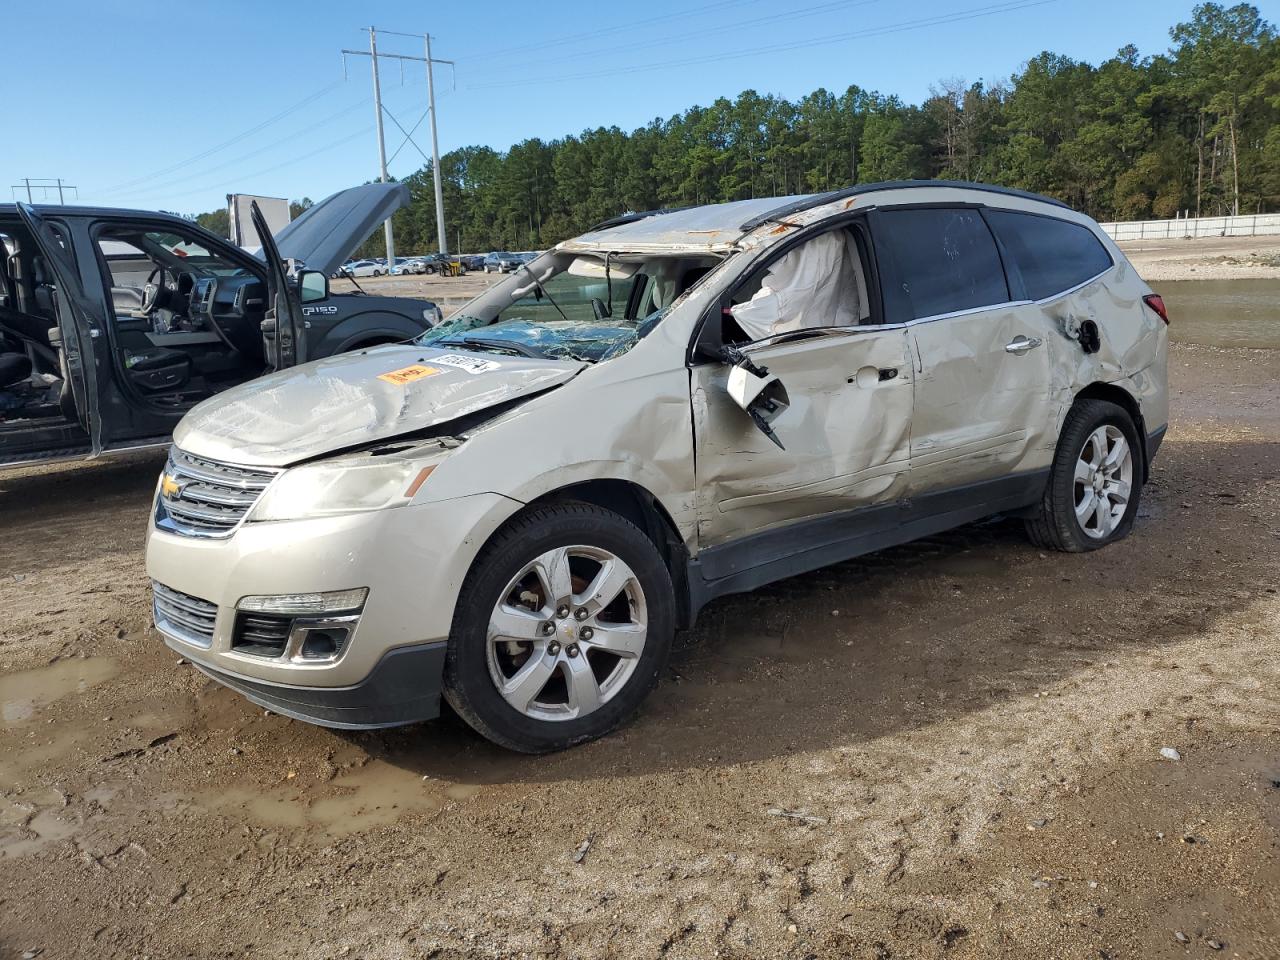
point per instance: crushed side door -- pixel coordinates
(844, 432)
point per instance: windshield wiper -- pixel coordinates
(501, 346)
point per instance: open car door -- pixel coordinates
(80, 322)
(284, 334)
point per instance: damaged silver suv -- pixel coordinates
(517, 510)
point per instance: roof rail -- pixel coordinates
(818, 199)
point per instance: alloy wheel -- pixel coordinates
(1103, 481)
(567, 633)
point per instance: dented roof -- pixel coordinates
(716, 227)
(712, 228)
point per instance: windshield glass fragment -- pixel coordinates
(584, 307)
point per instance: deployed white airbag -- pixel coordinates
(815, 285)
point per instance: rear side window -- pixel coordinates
(947, 259)
(1052, 255)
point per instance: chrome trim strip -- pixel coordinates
(183, 617)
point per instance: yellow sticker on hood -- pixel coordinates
(408, 374)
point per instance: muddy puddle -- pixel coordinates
(23, 694)
(375, 794)
(1224, 313)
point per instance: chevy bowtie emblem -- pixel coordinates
(170, 488)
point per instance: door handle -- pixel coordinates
(870, 376)
(1022, 345)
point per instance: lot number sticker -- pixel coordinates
(469, 364)
(408, 374)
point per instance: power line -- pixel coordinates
(958, 17)
(239, 180)
(226, 143)
(288, 138)
(739, 25)
(627, 27)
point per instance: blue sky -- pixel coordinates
(171, 106)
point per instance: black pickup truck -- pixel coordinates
(114, 323)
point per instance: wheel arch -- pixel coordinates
(1122, 398)
(635, 504)
(364, 343)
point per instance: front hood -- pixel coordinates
(355, 399)
(328, 232)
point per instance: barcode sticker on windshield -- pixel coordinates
(469, 364)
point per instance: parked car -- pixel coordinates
(411, 265)
(473, 261)
(114, 323)
(517, 511)
(502, 263)
(362, 268)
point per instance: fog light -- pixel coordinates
(323, 643)
(308, 604)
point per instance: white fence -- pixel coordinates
(1253, 225)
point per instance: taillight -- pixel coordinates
(1156, 303)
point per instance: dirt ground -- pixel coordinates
(951, 749)
(1206, 258)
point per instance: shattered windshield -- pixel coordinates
(576, 309)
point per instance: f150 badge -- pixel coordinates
(312, 311)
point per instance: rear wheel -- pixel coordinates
(1096, 481)
(561, 629)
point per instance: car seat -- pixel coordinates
(14, 368)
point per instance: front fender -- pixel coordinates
(343, 332)
(616, 421)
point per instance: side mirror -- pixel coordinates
(760, 394)
(313, 286)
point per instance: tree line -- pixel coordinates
(1194, 129)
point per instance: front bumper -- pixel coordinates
(412, 560)
(403, 688)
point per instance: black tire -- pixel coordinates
(468, 686)
(1054, 525)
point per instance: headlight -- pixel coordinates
(346, 485)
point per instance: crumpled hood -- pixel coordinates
(357, 398)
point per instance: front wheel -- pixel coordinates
(1095, 484)
(560, 630)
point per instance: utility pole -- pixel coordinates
(373, 54)
(435, 149)
(382, 143)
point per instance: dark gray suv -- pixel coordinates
(114, 323)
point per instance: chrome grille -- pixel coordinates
(205, 498)
(183, 616)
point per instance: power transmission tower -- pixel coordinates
(46, 186)
(373, 55)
